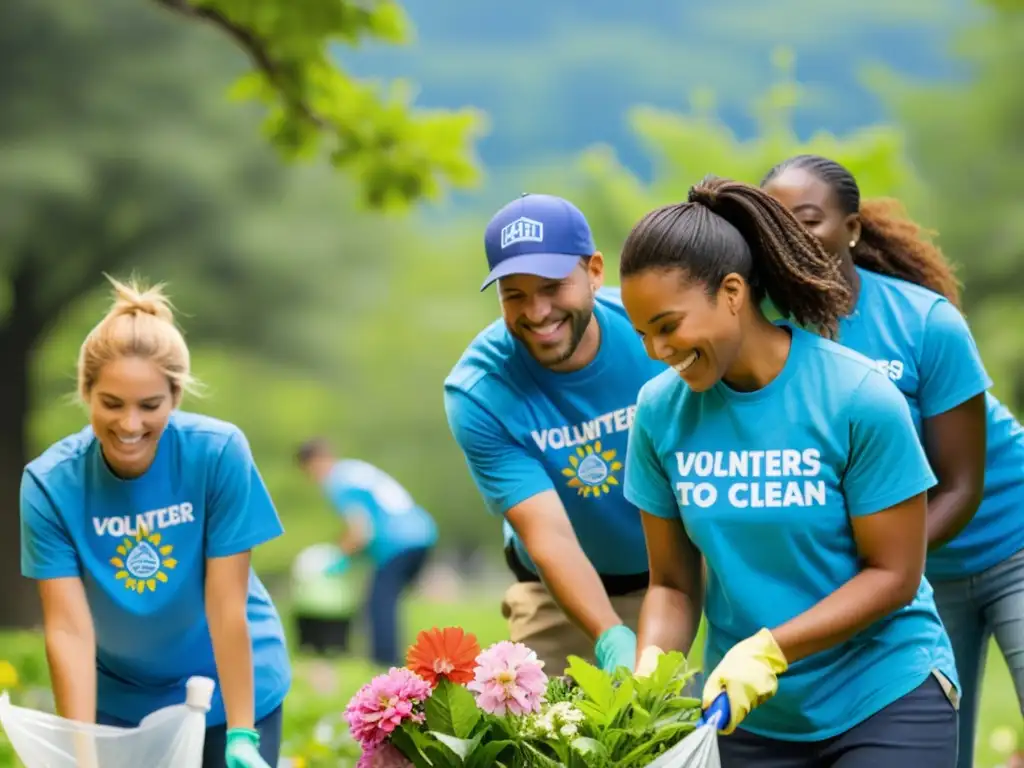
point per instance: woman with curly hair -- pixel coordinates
(905, 318)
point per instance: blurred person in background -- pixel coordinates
(905, 318)
(541, 404)
(382, 522)
(791, 464)
(138, 530)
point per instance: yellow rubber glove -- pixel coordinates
(748, 675)
(648, 661)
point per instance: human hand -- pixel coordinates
(243, 749)
(337, 567)
(616, 647)
(648, 661)
(748, 675)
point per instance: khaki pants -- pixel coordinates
(536, 620)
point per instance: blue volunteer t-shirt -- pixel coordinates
(140, 547)
(923, 344)
(396, 523)
(525, 429)
(766, 483)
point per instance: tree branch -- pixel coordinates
(256, 48)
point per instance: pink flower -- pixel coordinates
(384, 756)
(383, 704)
(509, 677)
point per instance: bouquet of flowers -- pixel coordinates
(455, 705)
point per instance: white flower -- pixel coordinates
(561, 719)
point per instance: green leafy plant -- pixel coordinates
(499, 709)
(631, 720)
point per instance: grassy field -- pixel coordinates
(323, 687)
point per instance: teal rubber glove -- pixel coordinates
(338, 567)
(616, 647)
(243, 749)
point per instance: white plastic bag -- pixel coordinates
(700, 748)
(171, 737)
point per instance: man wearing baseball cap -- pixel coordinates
(541, 404)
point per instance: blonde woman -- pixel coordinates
(138, 530)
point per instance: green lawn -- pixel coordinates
(322, 688)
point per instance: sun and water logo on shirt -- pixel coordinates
(142, 559)
(593, 468)
(143, 562)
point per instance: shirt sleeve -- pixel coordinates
(646, 485)
(47, 550)
(504, 472)
(345, 498)
(240, 514)
(951, 368)
(887, 464)
(350, 502)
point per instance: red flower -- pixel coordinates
(444, 653)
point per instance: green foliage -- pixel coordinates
(562, 689)
(398, 156)
(583, 64)
(965, 139)
(972, 165)
(1005, 6)
(686, 147)
(304, 317)
(589, 719)
(451, 710)
(282, 288)
(630, 720)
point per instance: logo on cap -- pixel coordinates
(522, 230)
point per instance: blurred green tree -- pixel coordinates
(1010, 6)
(398, 156)
(686, 147)
(965, 139)
(117, 154)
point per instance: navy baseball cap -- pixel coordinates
(539, 235)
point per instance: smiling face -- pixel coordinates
(129, 406)
(815, 205)
(697, 334)
(551, 317)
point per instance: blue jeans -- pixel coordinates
(215, 742)
(389, 581)
(916, 731)
(975, 609)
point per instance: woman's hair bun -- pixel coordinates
(132, 299)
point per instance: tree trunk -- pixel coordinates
(19, 606)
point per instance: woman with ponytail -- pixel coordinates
(768, 454)
(905, 318)
(138, 530)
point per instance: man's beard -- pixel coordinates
(578, 323)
